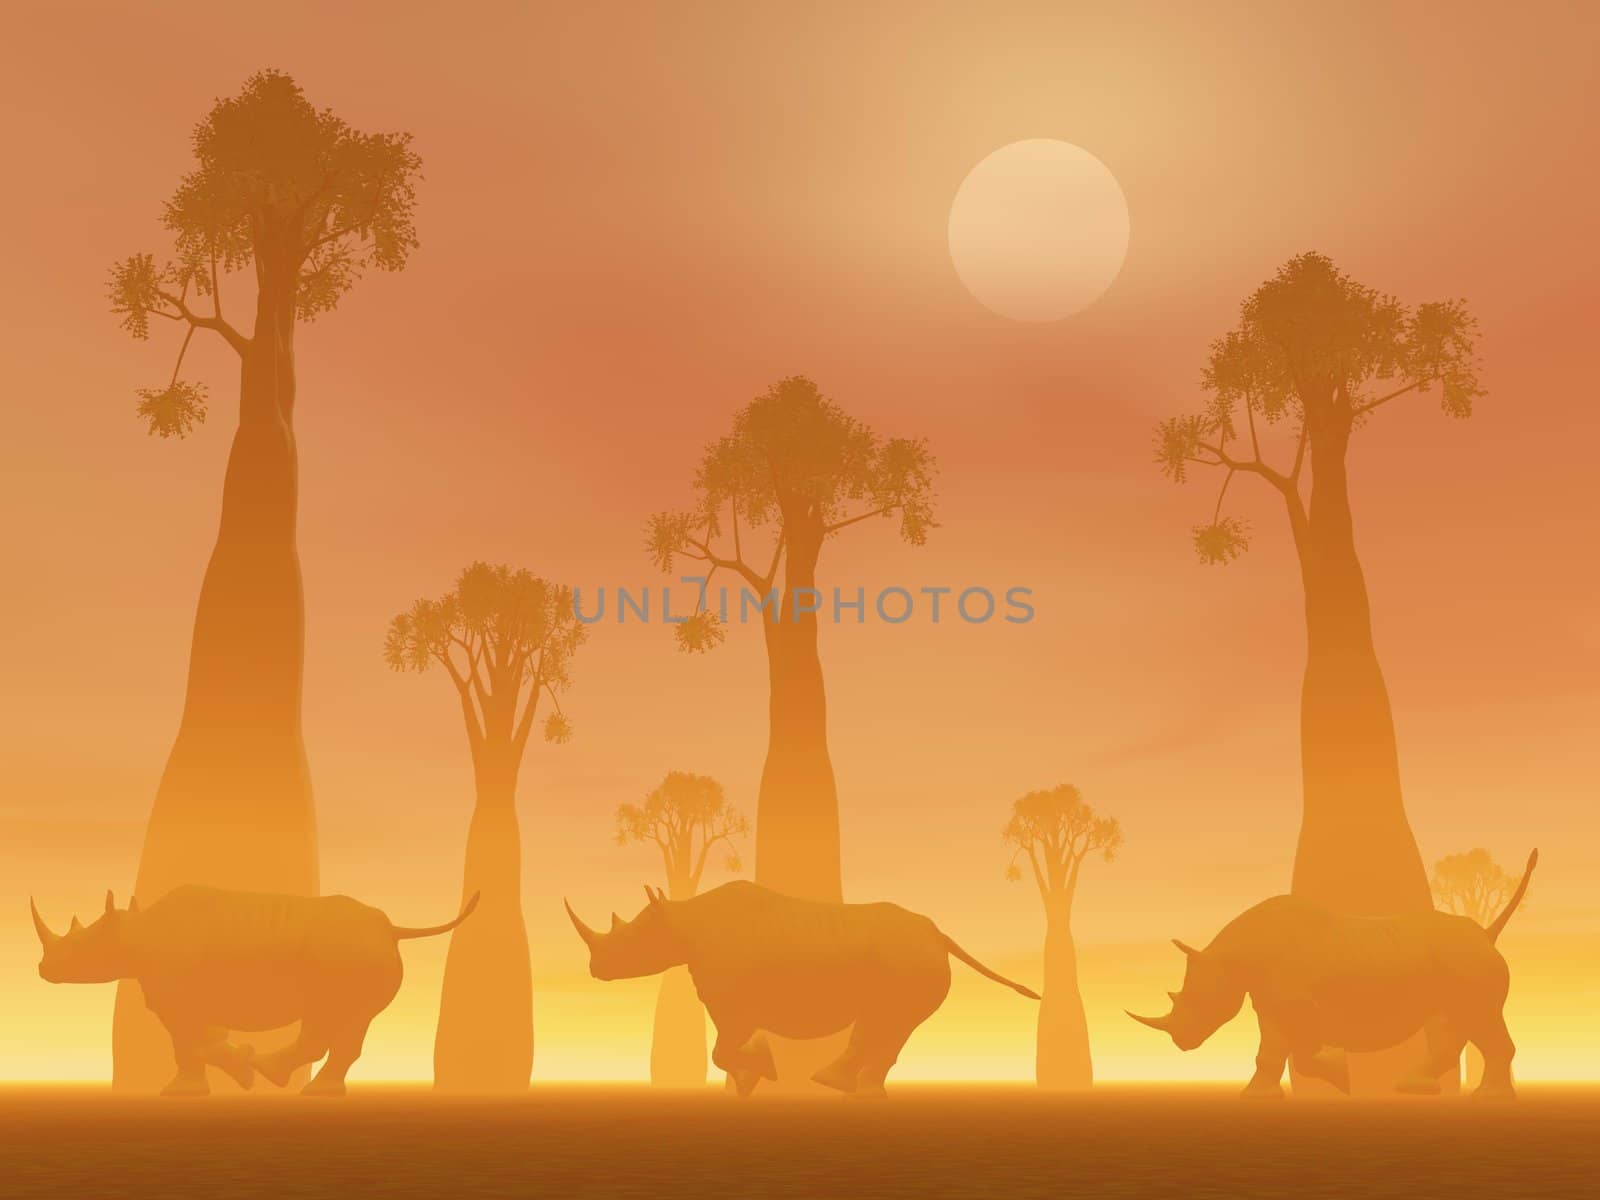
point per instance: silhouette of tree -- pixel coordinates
(1054, 831)
(1472, 885)
(797, 465)
(506, 640)
(1316, 356)
(297, 202)
(684, 816)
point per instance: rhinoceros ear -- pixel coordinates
(655, 897)
(1185, 947)
(133, 904)
(111, 905)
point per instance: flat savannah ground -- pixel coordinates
(993, 1142)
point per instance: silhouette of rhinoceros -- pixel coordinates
(761, 960)
(210, 961)
(1323, 984)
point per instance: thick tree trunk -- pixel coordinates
(1356, 852)
(234, 808)
(1062, 1060)
(484, 1042)
(797, 808)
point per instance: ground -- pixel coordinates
(566, 1141)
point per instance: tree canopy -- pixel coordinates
(504, 637)
(1054, 831)
(282, 186)
(1471, 884)
(1315, 354)
(801, 469)
(684, 815)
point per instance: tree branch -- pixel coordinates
(474, 727)
(1410, 387)
(838, 525)
(232, 336)
(1253, 466)
(733, 564)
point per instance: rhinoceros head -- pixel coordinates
(1211, 997)
(646, 945)
(95, 953)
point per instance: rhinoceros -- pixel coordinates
(1323, 984)
(761, 960)
(210, 961)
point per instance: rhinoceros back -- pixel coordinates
(752, 925)
(252, 959)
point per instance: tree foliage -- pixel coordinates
(506, 638)
(285, 188)
(685, 815)
(1471, 884)
(1054, 831)
(799, 469)
(1314, 355)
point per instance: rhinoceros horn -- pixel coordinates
(46, 936)
(76, 927)
(1154, 1022)
(111, 905)
(588, 935)
(1185, 947)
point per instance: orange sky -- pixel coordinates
(636, 218)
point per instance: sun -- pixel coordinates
(1038, 230)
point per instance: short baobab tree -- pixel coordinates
(1472, 885)
(1054, 832)
(506, 641)
(684, 816)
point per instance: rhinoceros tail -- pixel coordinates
(1516, 899)
(977, 966)
(402, 931)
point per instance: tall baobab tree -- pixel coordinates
(1473, 885)
(1054, 831)
(1317, 358)
(506, 641)
(797, 469)
(684, 816)
(287, 205)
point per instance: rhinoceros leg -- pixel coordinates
(1446, 1040)
(1272, 1055)
(187, 1041)
(1327, 1063)
(1491, 1036)
(880, 1035)
(310, 1044)
(343, 1051)
(736, 1053)
(842, 1073)
(237, 1061)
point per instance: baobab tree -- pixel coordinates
(1472, 885)
(287, 205)
(1315, 359)
(684, 816)
(1054, 831)
(506, 641)
(796, 470)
